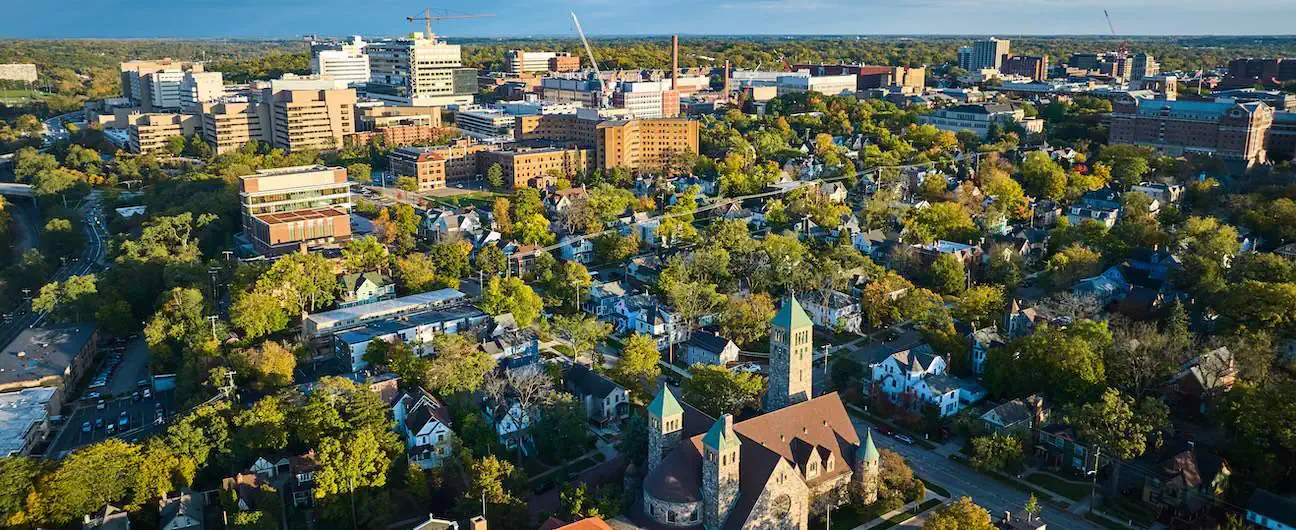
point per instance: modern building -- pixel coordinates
(323, 325)
(419, 70)
(310, 119)
(418, 330)
(24, 72)
(870, 76)
(979, 118)
(486, 124)
(24, 419)
(55, 357)
(344, 61)
(987, 53)
(286, 208)
(518, 62)
(150, 133)
(828, 85)
(1144, 66)
(1034, 67)
(586, 92)
(647, 99)
(229, 126)
(1231, 131)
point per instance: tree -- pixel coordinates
(716, 390)
(406, 183)
(571, 281)
(495, 176)
(746, 320)
(518, 396)
(512, 295)
(358, 462)
(879, 299)
(500, 216)
(586, 334)
(1208, 246)
(1259, 421)
(365, 254)
(1066, 363)
(260, 429)
(1116, 425)
(67, 300)
(88, 479)
(60, 239)
(258, 314)
(491, 260)
(360, 172)
(1044, 178)
(269, 365)
(693, 300)
(561, 432)
(638, 362)
(457, 366)
(943, 220)
(302, 282)
(961, 515)
(615, 248)
(1072, 264)
(997, 452)
(981, 304)
(492, 479)
(533, 229)
(417, 273)
(18, 476)
(948, 275)
(175, 145)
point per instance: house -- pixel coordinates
(1078, 213)
(645, 268)
(1204, 377)
(875, 243)
(558, 201)
(1151, 267)
(1018, 415)
(108, 518)
(1062, 450)
(577, 249)
(447, 225)
(365, 287)
(477, 522)
(734, 210)
(705, 347)
(603, 400)
(181, 512)
(642, 313)
(513, 347)
(915, 378)
(833, 310)
(301, 482)
(1020, 321)
(603, 297)
(1046, 213)
(982, 341)
(1110, 286)
(1270, 511)
(248, 492)
(588, 523)
(1188, 479)
(1103, 199)
(834, 191)
(1157, 191)
(424, 423)
(512, 425)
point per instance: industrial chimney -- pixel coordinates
(726, 81)
(674, 62)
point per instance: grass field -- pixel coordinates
(11, 96)
(1069, 490)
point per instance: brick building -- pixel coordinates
(285, 208)
(538, 167)
(1034, 67)
(1232, 131)
(436, 167)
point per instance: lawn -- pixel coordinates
(935, 489)
(1069, 490)
(905, 516)
(1122, 508)
(7, 95)
(563, 349)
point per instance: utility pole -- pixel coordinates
(213, 318)
(1093, 486)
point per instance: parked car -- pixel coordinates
(123, 420)
(85, 427)
(94, 395)
(111, 428)
(905, 438)
(148, 393)
(101, 405)
(98, 423)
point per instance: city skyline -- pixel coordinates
(518, 18)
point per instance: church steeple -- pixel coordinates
(791, 354)
(665, 425)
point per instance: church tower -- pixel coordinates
(791, 356)
(665, 424)
(868, 468)
(720, 450)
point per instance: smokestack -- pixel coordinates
(674, 62)
(726, 81)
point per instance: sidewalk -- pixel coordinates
(908, 507)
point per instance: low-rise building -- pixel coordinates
(424, 423)
(323, 325)
(55, 357)
(828, 85)
(979, 118)
(286, 208)
(916, 378)
(705, 347)
(1016, 416)
(360, 288)
(24, 419)
(1079, 213)
(417, 330)
(833, 310)
(604, 401)
(183, 511)
(1063, 451)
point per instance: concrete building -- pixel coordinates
(486, 124)
(420, 71)
(24, 419)
(869, 76)
(309, 119)
(286, 208)
(374, 118)
(1034, 67)
(1232, 131)
(344, 61)
(328, 323)
(647, 99)
(437, 167)
(24, 72)
(229, 126)
(55, 357)
(586, 92)
(140, 79)
(518, 62)
(538, 166)
(978, 118)
(150, 133)
(987, 53)
(1270, 72)
(200, 87)
(829, 85)
(1144, 66)
(417, 329)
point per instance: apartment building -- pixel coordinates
(1034, 67)
(286, 208)
(229, 126)
(644, 145)
(979, 118)
(437, 167)
(539, 166)
(150, 133)
(310, 119)
(344, 61)
(1229, 130)
(984, 54)
(420, 71)
(518, 62)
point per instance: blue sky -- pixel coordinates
(287, 18)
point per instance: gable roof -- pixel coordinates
(790, 315)
(709, 341)
(351, 282)
(589, 382)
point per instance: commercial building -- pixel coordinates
(828, 85)
(309, 119)
(344, 61)
(420, 71)
(18, 72)
(1144, 66)
(979, 118)
(329, 322)
(150, 133)
(648, 99)
(436, 167)
(518, 62)
(24, 419)
(417, 329)
(168, 84)
(55, 357)
(229, 126)
(1034, 67)
(286, 208)
(987, 53)
(1282, 136)
(1231, 131)
(538, 166)
(486, 124)
(586, 92)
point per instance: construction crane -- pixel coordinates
(427, 18)
(1123, 49)
(594, 62)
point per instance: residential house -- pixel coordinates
(833, 310)
(1079, 213)
(558, 201)
(1019, 415)
(604, 401)
(1020, 321)
(1161, 192)
(424, 423)
(512, 347)
(1103, 199)
(181, 512)
(577, 249)
(1204, 377)
(1062, 450)
(1270, 511)
(982, 341)
(645, 268)
(1046, 213)
(834, 191)
(640, 224)
(511, 424)
(108, 518)
(248, 492)
(642, 313)
(1110, 286)
(875, 243)
(1188, 481)
(365, 287)
(301, 471)
(449, 225)
(603, 297)
(1151, 267)
(734, 210)
(705, 347)
(916, 378)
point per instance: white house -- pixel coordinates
(441, 225)
(705, 347)
(424, 423)
(604, 401)
(580, 250)
(839, 310)
(642, 314)
(511, 422)
(916, 377)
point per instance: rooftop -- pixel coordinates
(301, 215)
(38, 353)
(19, 411)
(394, 325)
(403, 304)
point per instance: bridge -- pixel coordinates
(16, 190)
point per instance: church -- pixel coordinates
(768, 472)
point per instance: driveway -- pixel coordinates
(134, 367)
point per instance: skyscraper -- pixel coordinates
(987, 53)
(419, 71)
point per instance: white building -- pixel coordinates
(841, 310)
(344, 61)
(424, 423)
(486, 124)
(201, 87)
(329, 322)
(648, 99)
(829, 85)
(914, 378)
(418, 330)
(518, 62)
(419, 71)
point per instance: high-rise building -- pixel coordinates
(344, 61)
(1225, 129)
(420, 71)
(641, 145)
(197, 88)
(1144, 66)
(648, 99)
(168, 84)
(309, 119)
(518, 62)
(229, 126)
(152, 132)
(791, 356)
(1034, 67)
(983, 54)
(285, 208)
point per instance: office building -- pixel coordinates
(228, 126)
(169, 85)
(419, 71)
(1144, 66)
(436, 167)
(56, 357)
(828, 85)
(1034, 67)
(1085, 61)
(518, 62)
(309, 119)
(373, 118)
(486, 124)
(987, 53)
(1282, 136)
(197, 88)
(586, 92)
(344, 61)
(1228, 130)
(24, 72)
(538, 166)
(150, 133)
(979, 118)
(647, 99)
(287, 208)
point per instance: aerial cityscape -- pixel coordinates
(600, 266)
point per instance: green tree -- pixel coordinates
(638, 362)
(360, 172)
(18, 476)
(943, 220)
(1043, 177)
(533, 229)
(457, 365)
(1122, 429)
(88, 479)
(365, 254)
(175, 145)
(716, 390)
(356, 462)
(586, 334)
(1208, 246)
(417, 273)
(997, 452)
(1066, 363)
(491, 260)
(560, 433)
(1072, 264)
(258, 314)
(746, 320)
(948, 275)
(980, 304)
(302, 282)
(512, 295)
(60, 239)
(961, 515)
(269, 365)
(406, 183)
(495, 176)
(571, 282)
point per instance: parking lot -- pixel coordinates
(90, 424)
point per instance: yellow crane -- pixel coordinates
(427, 18)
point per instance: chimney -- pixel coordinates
(674, 62)
(726, 81)
(477, 523)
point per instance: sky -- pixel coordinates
(520, 18)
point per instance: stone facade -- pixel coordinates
(673, 514)
(784, 504)
(868, 470)
(720, 457)
(791, 355)
(665, 426)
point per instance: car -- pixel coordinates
(98, 423)
(135, 396)
(123, 420)
(111, 427)
(885, 429)
(158, 418)
(85, 427)
(148, 393)
(905, 438)
(101, 405)
(94, 395)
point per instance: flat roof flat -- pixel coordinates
(301, 215)
(18, 412)
(386, 327)
(42, 352)
(385, 307)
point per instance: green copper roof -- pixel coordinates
(790, 315)
(665, 404)
(869, 451)
(721, 435)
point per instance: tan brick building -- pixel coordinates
(310, 119)
(285, 208)
(1231, 131)
(229, 126)
(149, 133)
(638, 145)
(397, 135)
(437, 167)
(537, 167)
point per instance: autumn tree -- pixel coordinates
(716, 390)
(638, 362)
